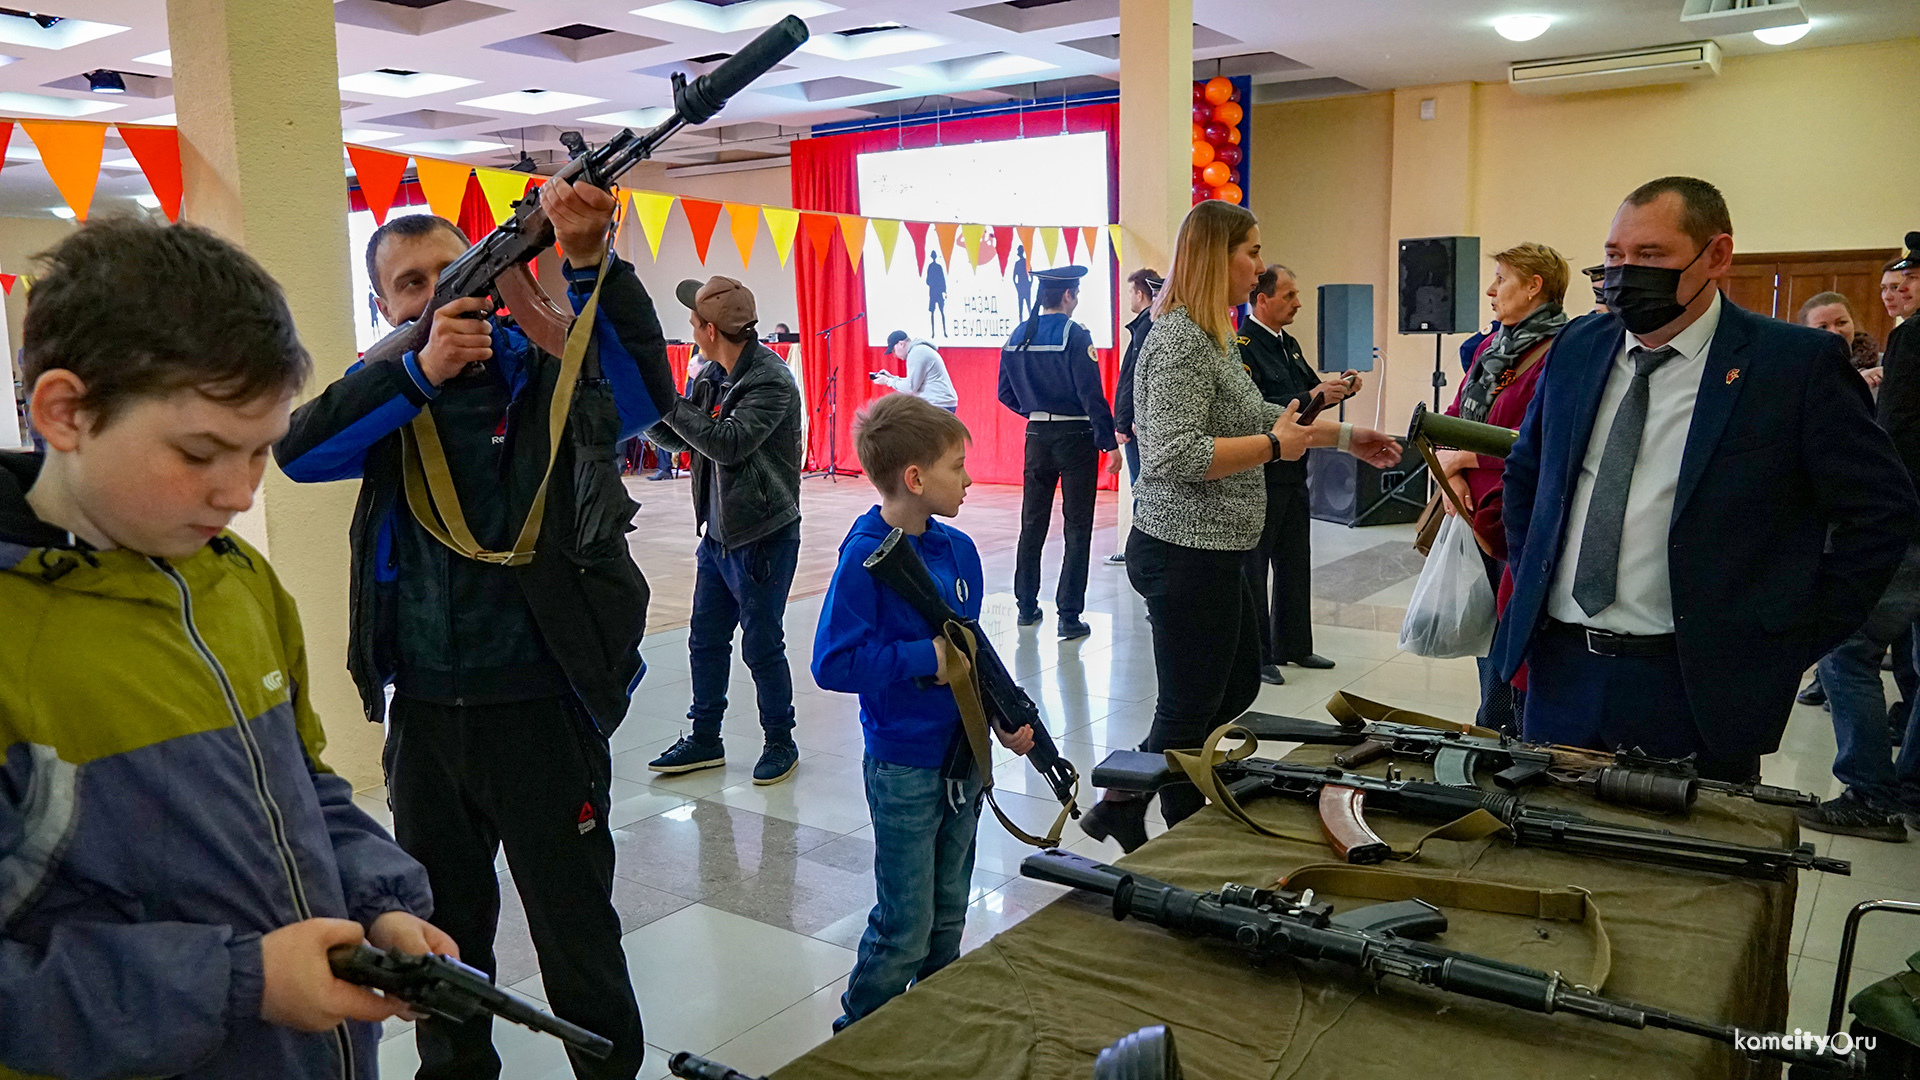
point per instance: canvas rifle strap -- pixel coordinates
(1440, 477)
(1351, 710)
(429, 482)
(973, 717)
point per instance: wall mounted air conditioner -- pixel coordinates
(1611, 71)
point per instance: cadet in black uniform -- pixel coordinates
(1050, 375)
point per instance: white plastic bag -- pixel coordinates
(1451, 613)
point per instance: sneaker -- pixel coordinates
(1029, 618)
(776, 763)
(1313, 660)
(689, 754)
(1118, 558)
(1071, 627)
(661, 476)
(1812, 694)
(1271, 675)
(1850, 815)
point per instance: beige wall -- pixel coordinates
(1806, 145)
(20, 240)
(772, 284)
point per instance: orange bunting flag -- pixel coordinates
(782, 224)
(702, 215)
(1113, 234)
(1073, 244)
(1089, 238)
(820, 229)
(501, 188)
(853, 233)
(157, 149)
(444, 183)
(71, 152)
(970, 236)
(887, 231)
(1003, 245)
(745, 222)
(1025, 233)
(651, 208)
(918, 230)
(1050, 236)
(379, 174)
(945, 231)
(7, 280)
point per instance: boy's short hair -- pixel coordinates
(142, 310)
(901, 430)
(408, 226)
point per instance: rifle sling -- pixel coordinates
(1352, 711)
(1440, 477)
(429, 482)
(973, 717)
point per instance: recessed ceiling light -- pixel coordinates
(163, 120)
(1783, 35)
(636, 118)
(751, 15)
(533, 102)
(367, 135)
(1521, 27)
(393, 82)
(163, 58)
(450, 147)
(64, 212)
(60, 34)
(104, 81)
(44, 105)
(21, 150)
(126, 162)
(151, 202)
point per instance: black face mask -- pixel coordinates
(1645, 296)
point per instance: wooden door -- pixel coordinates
(1777, 283)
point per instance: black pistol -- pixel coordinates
(444, 987)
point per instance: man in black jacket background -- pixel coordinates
(741, 420)
(1142, 285)
(507, 677)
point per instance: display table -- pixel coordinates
(1040, 1000)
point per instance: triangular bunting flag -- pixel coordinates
(379, 174)
(444, 183)
(744, 220)
(1050, 236)
(782, 223)
(918, 230)
(887, 231)
(853, 233)
(71, 152)
(820, 229)
(501, 188)
(1113, 235)
(702, 216)
(1089, 239)
(7, 280)
(6, 136)
(650, 209)
(1003, 245)
(970, 236)
(1025, 233)
(946, 231)
(1073, 244)
(157, 149)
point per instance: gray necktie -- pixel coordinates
(1597, 575)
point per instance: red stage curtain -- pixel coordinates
(830, 292)
(679, 354)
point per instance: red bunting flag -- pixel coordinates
(157, 149)
(1003, 245)
(7, 280)
(379, 174)
(820, 229)
(6, 136)
(1073, 243)
(702, 216)
(918, 230)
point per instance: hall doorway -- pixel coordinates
(1777, 284)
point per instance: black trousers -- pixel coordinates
(532, 775)
(1286, 555)
(1062, 453)
(1206, 647)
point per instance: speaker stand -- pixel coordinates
(1439, 373)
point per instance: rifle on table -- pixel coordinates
(1343, 797)
(444, 987)
(1269, 924)
(1627, 778)
(497, 265)
(895, 564)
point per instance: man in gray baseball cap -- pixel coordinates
(741, 421)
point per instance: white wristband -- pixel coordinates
(1346, 437)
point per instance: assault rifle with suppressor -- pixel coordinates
(444, 987)
(497, 265)
(1269, 924)
(1661, 785)
(1343, 797)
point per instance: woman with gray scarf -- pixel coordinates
(1529, 284)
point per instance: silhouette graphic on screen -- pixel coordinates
(936, 294)
(1022, 281)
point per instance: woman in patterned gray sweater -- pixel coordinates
(1204, 433)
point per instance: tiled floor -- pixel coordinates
(742, 905)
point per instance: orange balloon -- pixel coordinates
(1228, 113)
(1202, 153)
(1216, 173)
(1219, 89)
(1233, 136)
(1228, 193)
(1199, 132)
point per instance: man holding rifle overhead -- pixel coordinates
(509, 669)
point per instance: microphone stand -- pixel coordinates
(830, 404)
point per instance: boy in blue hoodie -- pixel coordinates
(872, 643)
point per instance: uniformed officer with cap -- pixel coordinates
(1050, 375)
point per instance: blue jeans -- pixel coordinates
(746, 587)
(922, 875)
(1851, 675)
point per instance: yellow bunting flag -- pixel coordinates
(853, 233)
(946, 231)
(1050, 236)
(501, 188)
(71, 152)
(1113, 233)
(650, 209)
(1089, 235)
(744, 220)
(444, 183)
(970, 235)
(887, 231)
(782, 224)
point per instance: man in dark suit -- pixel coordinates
(1280, 369)
(1699, 505)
